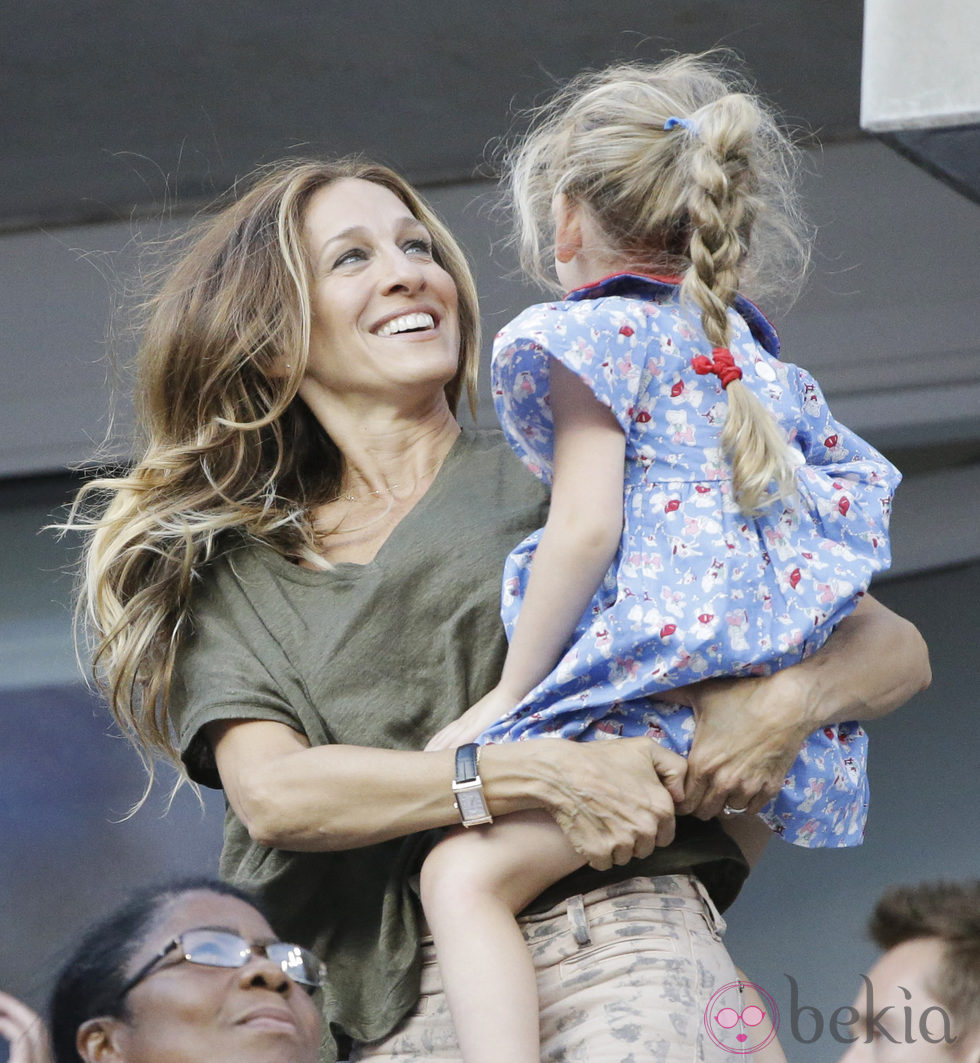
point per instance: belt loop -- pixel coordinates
(578, 921)
(715, 919)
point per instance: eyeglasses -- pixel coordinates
(221, 948)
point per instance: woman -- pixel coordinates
(182, 973)
(299, 582)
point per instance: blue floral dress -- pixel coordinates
(696, 589)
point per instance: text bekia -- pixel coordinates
(902, 1025)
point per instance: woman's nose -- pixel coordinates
(402, 273)
(262, 973)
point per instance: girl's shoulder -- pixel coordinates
(562, 319)
(628, 308)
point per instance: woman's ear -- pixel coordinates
(98, 1040)
(568, 228)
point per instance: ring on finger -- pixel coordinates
(728, 810)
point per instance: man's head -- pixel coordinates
(921, 1001)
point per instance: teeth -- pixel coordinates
(406, 323)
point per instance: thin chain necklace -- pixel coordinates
(346, 496)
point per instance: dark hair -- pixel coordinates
(89, 983)
(950, 913)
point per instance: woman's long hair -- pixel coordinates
(710, 198)
(229, 450)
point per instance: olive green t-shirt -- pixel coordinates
(382, 654)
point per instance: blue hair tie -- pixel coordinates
(673, 123)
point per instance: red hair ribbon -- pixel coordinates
(721, 363)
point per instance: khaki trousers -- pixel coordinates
(624, 975)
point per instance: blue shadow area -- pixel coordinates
(67, 781)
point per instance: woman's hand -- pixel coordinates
(474, 721)
(747, 736)
(614, 800)
(749, 731)
(24, 1030)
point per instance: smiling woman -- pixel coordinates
(183, 973)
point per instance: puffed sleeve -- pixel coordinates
(601, 341)
(848, 484)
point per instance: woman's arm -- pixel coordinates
(749, 731)
(614, 800)
(577, 546)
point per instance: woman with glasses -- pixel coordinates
(186, 973)
(298, 584)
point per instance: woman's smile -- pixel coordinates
(413, 322)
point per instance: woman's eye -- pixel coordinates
(419, 247)
(355, 254)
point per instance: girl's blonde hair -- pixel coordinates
(229, 450)
(678, 201)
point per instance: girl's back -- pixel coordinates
(698, 588)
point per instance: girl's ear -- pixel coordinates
(97, 1041)
(568, 228)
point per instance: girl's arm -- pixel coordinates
(577, 546)
(750, 730)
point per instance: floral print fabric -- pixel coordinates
(697, 589)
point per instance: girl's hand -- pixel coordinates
(24, 1030)
(474, 721)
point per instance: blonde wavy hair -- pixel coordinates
(229, 452)
(712, 200)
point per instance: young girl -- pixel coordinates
(708, 516)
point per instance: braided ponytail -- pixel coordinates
(675, 196)
(722, 206)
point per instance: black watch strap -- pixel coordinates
(467, 768)
(470, 802)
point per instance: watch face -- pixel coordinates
(471, 804)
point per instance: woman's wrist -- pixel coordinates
(786, 701)
(800, 699)
(518, 776)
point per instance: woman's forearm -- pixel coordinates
(611, 798)
(292, 796)
(874, 662)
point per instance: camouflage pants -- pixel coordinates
(624, 974)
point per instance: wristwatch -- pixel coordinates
(468, 787)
